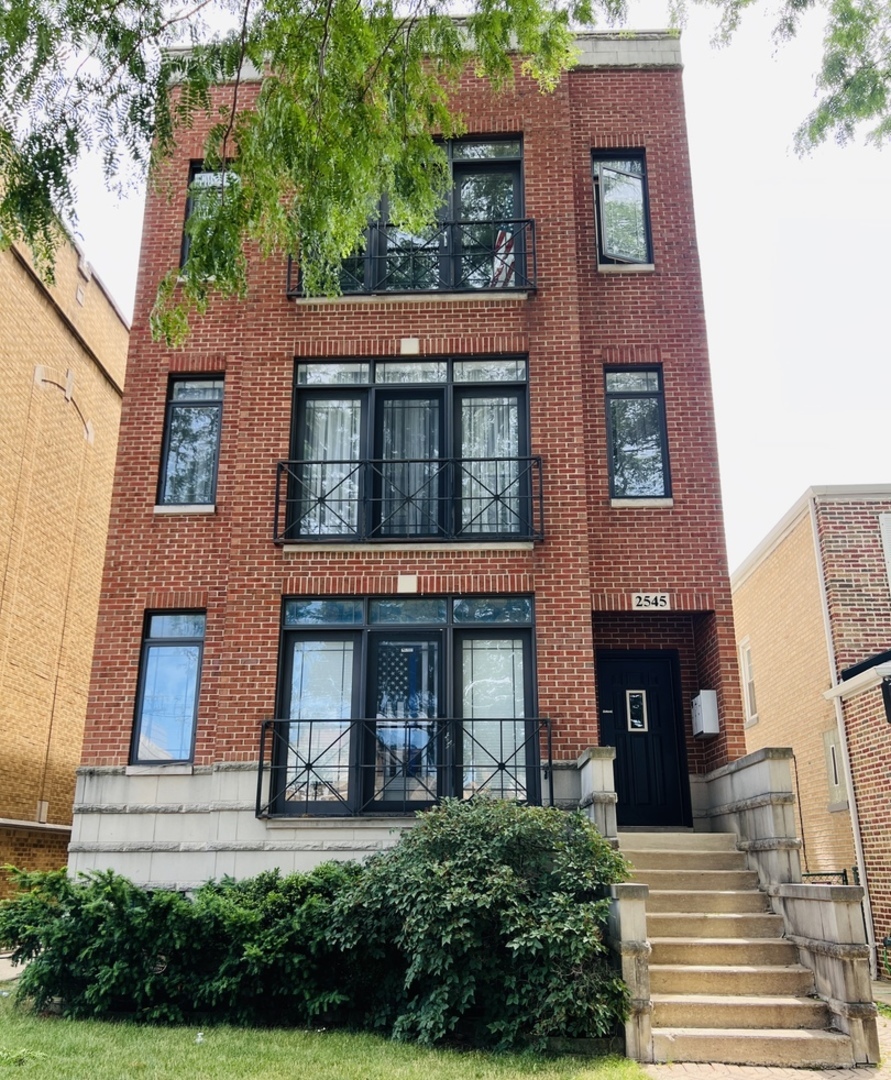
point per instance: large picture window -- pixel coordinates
(167, 699)
(622, 209)
(390, 704)
(480, 239)
(428, 449)
(638, 450)
(191, 442)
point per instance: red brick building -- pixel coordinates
(440, 535)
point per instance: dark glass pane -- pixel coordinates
(323, 612)
(429, 610)
(411, 261)
(493, 609)
(638, 467)
(410, 472)
(167, 707)
(191, 454)
(179, 626)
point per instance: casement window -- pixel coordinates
(480, 240)
(392, 703)
(637, 443)
(167, 698)
(748, 681)
(398, 449)
(205, 191)
(191, 449)
(622, 208)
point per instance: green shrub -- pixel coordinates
(494, 909)
(483, 923)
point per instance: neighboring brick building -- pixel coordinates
(812, 606)
(497, 501)
(63, 352)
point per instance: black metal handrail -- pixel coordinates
(393, 766)
(411, 499)
(827, 877)
(451, 256)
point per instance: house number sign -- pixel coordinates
(651, 601)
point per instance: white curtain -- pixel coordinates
(328, 498)
(491, 499)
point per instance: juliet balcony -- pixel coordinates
(440, 499)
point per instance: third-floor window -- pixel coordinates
(426, 449)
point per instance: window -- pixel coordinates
(748, 681)
(427, 449)
(390, 704)
(166, 704)
(622, 209)
(638, 451)
(191, 442)
(480, 240)
(205, 190)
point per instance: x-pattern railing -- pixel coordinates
(351, 767)
(497, 253)
(413, 498)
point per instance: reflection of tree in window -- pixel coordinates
(621, 210)
(193, 435)
(638, 462)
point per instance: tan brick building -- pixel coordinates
(63, 351)
(812, 609)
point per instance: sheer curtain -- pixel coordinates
(491, 498)
(493, 694)
(328, 496)
(409, 503)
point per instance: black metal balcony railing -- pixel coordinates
(414, 499)
(351, 767)
(451, 256)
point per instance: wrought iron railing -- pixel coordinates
(451, 256)
(412, 499)
(827, 877)
(397, 766)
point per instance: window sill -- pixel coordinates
(647, 504)
(626, 268)
(178, 768)
(414, 297)
(413, 548)
(336, 821)
(185, 508)
(751, 721)
(837, 807)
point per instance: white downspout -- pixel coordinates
(843, 740)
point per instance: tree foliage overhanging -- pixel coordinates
(352, 90)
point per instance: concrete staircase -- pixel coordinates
(725, 986)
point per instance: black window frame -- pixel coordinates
(450, 392)
(365, 634)
(197, 168)
(616, 156)
(369, 271)
(657, 395)
(150, 643)
(172, 405)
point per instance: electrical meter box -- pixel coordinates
(705, 713)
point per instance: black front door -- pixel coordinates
(640, 715)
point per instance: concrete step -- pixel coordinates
(747, 978)
(717, 951)
(688, 924)
(728, 901)
(697, 880)
(646, 840)
(664, 859)
(753, 1046)
(738, 1011)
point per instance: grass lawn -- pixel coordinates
(53, 1049)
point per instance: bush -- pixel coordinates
(483, 924)
(494, 910)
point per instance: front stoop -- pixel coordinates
(725, 986)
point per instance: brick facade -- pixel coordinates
(62, 372)
(578, 321)
(812, 602)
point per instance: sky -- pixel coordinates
(795, 255)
